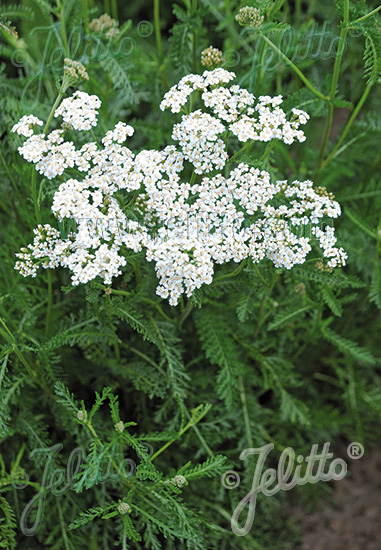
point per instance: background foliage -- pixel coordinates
(261, 355)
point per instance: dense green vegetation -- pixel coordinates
(145, 391)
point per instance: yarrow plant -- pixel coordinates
(190, 205)
(158, 169)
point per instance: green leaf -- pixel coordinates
(361, 224)
(221, 350)
(210, 468)
(362, 355)
(331, 301)
(287, 316)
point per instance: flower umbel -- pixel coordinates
(188, 206)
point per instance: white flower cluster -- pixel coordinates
(261, 120)
(24, 127)
(119, 134)
(220, 214)
(267, 121)
(197, 135)
(178, 95)
(52, 155)
(80, 110)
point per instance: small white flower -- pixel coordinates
(24, 126)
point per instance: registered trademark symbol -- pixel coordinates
(145, 28)
(355, 450)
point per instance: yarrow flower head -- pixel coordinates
(79, 110)
(250, 17)
(194, 205)
(212, 57)
(24, 127)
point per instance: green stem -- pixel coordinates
(246, 146)
(335, 80)
(34, 195)
(50, 303)
(61, 18)
(298, 11)
(287, 157)
(260, 275)
(200, 436)
(178, 435)
(51, 114)
(368, 15)
(159, 44)
(232, 273)
(99, 442)
(142, 299)
(8, 336)
(349, 124)
(156, 24)
(86, 15)
(261, 316)
(269, 148)
(185, 314)
(94, 138)
(194, 40)
(193, 178)
(34, 173)
(245, 411)
(262, 66)
(114, 9)
(294, 68)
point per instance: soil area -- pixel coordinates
(353, 520)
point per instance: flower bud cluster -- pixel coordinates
(104, 24)
(74, 72)
(250, 17)
(212, 57)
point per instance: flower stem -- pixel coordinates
(232, 273)
(156, 24)
(246, 146)
(181, 432)
(194, 39)
(368, 15)
(159, 44)
(349, 124)
(245, 412)
(34, 195)
(61, 18)
(51, 114)
(50, 302)
(335, 80)
(294, 68)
